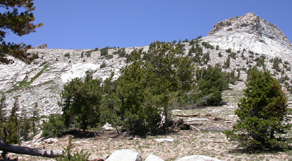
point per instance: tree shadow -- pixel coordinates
(80, 134)
(258, 151)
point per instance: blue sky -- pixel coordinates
(87, 24)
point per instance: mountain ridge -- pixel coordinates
(250, 32)
(42, 81)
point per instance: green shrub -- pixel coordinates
(103, 65)
(207, 45)
(228, 50)
(227, 63)
(109, 56)
(217, 47)
(78, 156)
(67, 55)
(121, 52)
(54, 127)
(262, 113)
(211, 82)
(104, 51)
(35, 56)
(276, 63)
(206, 58)
(232, 55)
(13, 124)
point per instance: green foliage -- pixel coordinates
(80, 101)
(220, 54)
(104, 51)
(260, 61)
(227, 63)
(211, 82)
(195, 41)
(146, 88)
(35, 56)
(179, 49)
(217, 47)
(13, 124)
(88, 53)
(35, 118)
(261, 113)
(121, 52)
(103, 65)
(17, 18)
(109, 56)
(242, 56)
(67, 55)
(232, 55)
(138, 113)
(54, 127)
(186, 40)
(276, 63)
(3, 106)
(228, 50)
(78, 156)
(206, 58)
(207, 45)
(134, 55)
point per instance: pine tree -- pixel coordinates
(80, 101)
(261, 113)
(17, 18)
(3, 106)
(211, 82)
(35, 118)
(12, 124)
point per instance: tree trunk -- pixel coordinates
(30, 151)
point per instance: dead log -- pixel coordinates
(30, 151)
(182, 115)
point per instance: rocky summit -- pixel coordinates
(250, 32)
(243, 40)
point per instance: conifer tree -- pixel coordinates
(80, 101)
(3, 105)
(262, 113)
(211, 82)
(16, 17)
(12, 124)
(35, 118)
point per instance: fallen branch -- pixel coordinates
(182, 115)
(30, 151)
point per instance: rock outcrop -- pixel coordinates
(125, 155)
(250, 32)
(197, 158)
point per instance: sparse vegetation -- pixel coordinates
(103, 65)
(207, 45)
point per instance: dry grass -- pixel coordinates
(207, 142)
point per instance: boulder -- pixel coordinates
(152, 157)
(197, 158)
(44, 46)
(51, 140)
(164, 140)
(37, 137)
(125, 155)
(107, 127)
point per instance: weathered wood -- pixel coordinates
(182, 115)
(30, 151)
